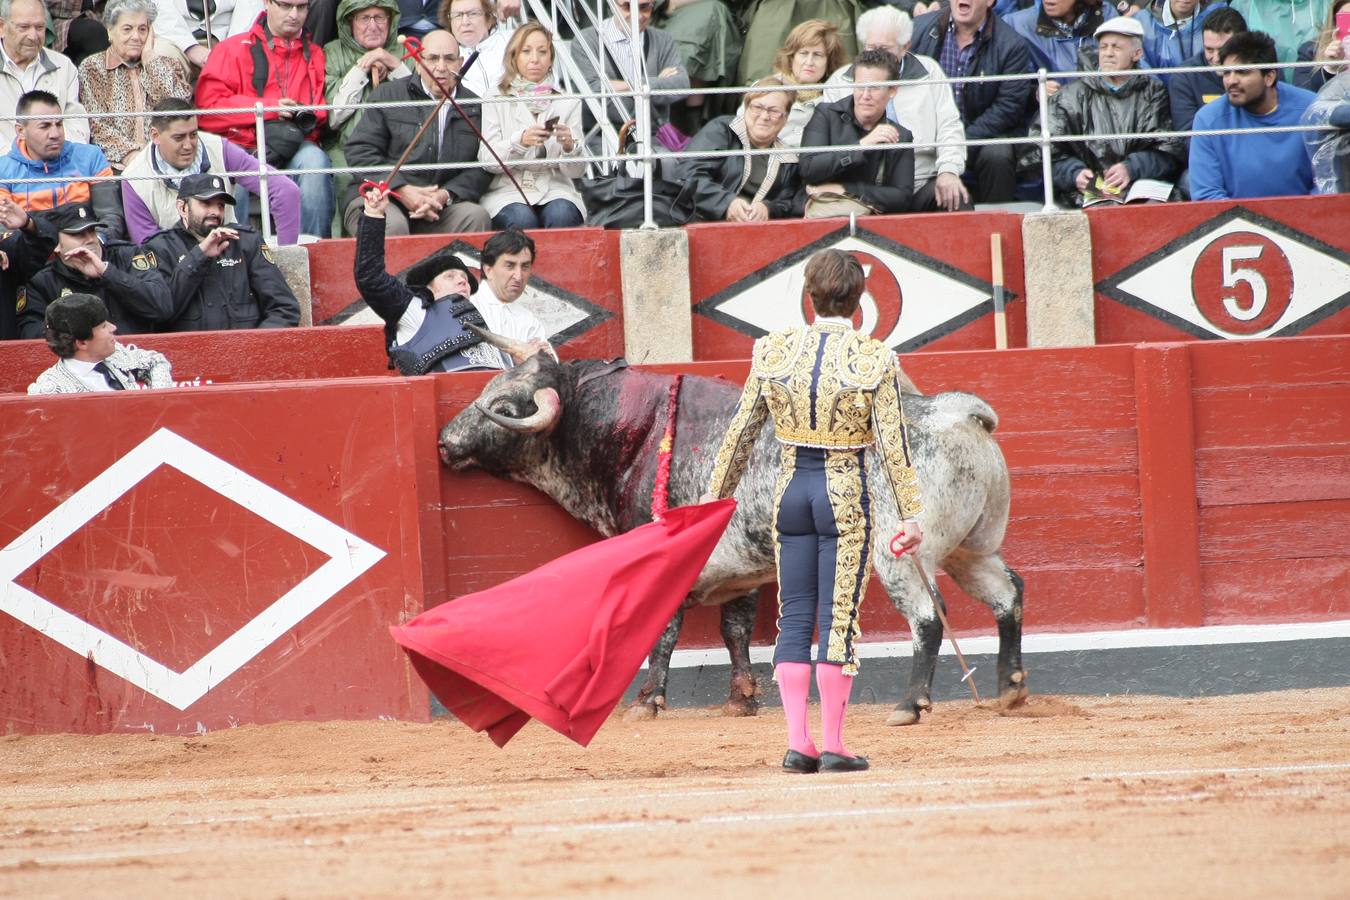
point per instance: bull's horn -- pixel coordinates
(516, 349)
(548, 408)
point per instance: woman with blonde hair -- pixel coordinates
(533, 125)
(747, 188)
(811, 52)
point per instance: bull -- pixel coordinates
(586, 434)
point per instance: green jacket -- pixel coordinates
(341, 54)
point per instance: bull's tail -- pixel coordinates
(954, 408)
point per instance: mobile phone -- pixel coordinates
(1343, 27)
(551, 124)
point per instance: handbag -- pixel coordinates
(616, 202)
(830, 205)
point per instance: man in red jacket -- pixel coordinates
(276, 62)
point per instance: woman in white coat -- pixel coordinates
(533, 125)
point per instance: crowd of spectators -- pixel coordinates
(110, 87)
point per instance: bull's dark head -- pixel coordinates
(505, 431)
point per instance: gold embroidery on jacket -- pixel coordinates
(844, 474)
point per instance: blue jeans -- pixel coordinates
(558, 213)
(317, 201)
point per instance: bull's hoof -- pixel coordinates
(740, 707)
(640, 712)
(903, 715)
(1016, 693)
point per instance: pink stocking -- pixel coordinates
(834, 687)
(794, 683)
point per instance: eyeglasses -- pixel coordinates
(767, 112)
(892, 49)
(467, 15)
(291, 7)
(372, 19)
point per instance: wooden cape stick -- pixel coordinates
(951, 635)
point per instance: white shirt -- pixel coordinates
(85, 372)
(28, 77)
(512, 320)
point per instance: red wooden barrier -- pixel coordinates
(200, 558)
(747, 279)
(1223, 269)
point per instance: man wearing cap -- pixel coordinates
(25, 244)
(78, 331)
(125, 277)
(221, 277)
(426, 321)
(1119, 100)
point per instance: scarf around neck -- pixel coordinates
(171, 174)
(776, 160)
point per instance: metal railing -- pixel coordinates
(647, 158)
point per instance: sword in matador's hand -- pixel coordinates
(414, 48)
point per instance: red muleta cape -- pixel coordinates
(562, 643)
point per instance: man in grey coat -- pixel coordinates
(662, 66)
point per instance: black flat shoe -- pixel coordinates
(800, 763)
(837, 762)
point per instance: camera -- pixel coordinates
(306, 120)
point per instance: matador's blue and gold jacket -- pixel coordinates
(826, 386)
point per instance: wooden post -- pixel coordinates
(1000, 312)
(1166, 434)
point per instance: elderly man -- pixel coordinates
(41, 151)
(177, 148)
(1225, 166)
(222, 277)
(476, 28)
(25, 244)
(1118, 100)
(967, 39)
(924, 106)
(89, 359)
(123, 79)
(25, 66)
(125, 277)
(435, 201)
(662, 66)
(879, 181)
(276, 62)
(428, 321)
(1058, 31)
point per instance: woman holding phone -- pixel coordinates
(1331, 48)
(533, 126)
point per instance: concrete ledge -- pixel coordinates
(1057, 259)
(294, 264)
(657, 317)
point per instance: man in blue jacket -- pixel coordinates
(1058, 30)
(967, 39)
(1226, 166)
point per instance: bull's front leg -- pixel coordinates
(738, 621)
(652, 695)
(927, 634)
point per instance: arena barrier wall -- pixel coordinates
(1222, 270)
(195, 559)
(1154, 486)
(746, 280)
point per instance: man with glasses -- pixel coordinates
(925, 106)
(426, 201)
(276, 62)
(878, 181)
(662, 67)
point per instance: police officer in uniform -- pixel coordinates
(426, 321)
(122, 275)
(221, 277)
(832, 393)
(25, 244)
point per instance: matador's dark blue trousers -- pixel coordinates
(822, 515)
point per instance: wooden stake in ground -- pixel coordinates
(1000, 314)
